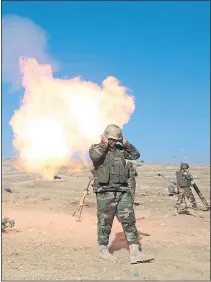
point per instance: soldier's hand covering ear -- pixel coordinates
(124, 141)
(104, 139)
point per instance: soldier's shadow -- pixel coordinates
(120, 241)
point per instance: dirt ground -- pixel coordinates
(47, 242)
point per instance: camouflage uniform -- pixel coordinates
(184, 182)
(132, 180)
(120, 204)
(113, 198)
(113, 194)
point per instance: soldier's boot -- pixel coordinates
(175, 212)
(105, 254)
(138, 256)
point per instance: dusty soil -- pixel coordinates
(47, 242)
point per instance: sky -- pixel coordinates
(159, 50)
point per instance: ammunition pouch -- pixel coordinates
(102, 174)
(112, 171)
(118, 171)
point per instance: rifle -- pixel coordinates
(79, 209)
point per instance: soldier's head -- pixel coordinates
(184, 166)
(114, 134)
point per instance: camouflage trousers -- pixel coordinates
(120, 204)
(185, 192)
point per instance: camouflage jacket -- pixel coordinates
(183, 178)
(110, 169)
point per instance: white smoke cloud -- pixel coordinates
(22, 37)
(57, 117)
(60, 117)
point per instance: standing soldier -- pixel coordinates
(132, 180)
(112, 192)
(184, 179)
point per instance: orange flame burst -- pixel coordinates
(58, 117)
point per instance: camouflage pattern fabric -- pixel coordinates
(132, 180)
(185, 178)
(113, 131)
(188, 176)
(99, 154)
(185, 192)
(120, 204)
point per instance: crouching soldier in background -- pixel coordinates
(132, 180)
(184, 179)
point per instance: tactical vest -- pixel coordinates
(182, 181)
(112, 172)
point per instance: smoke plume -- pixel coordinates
(57, 118)
(22, 37)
